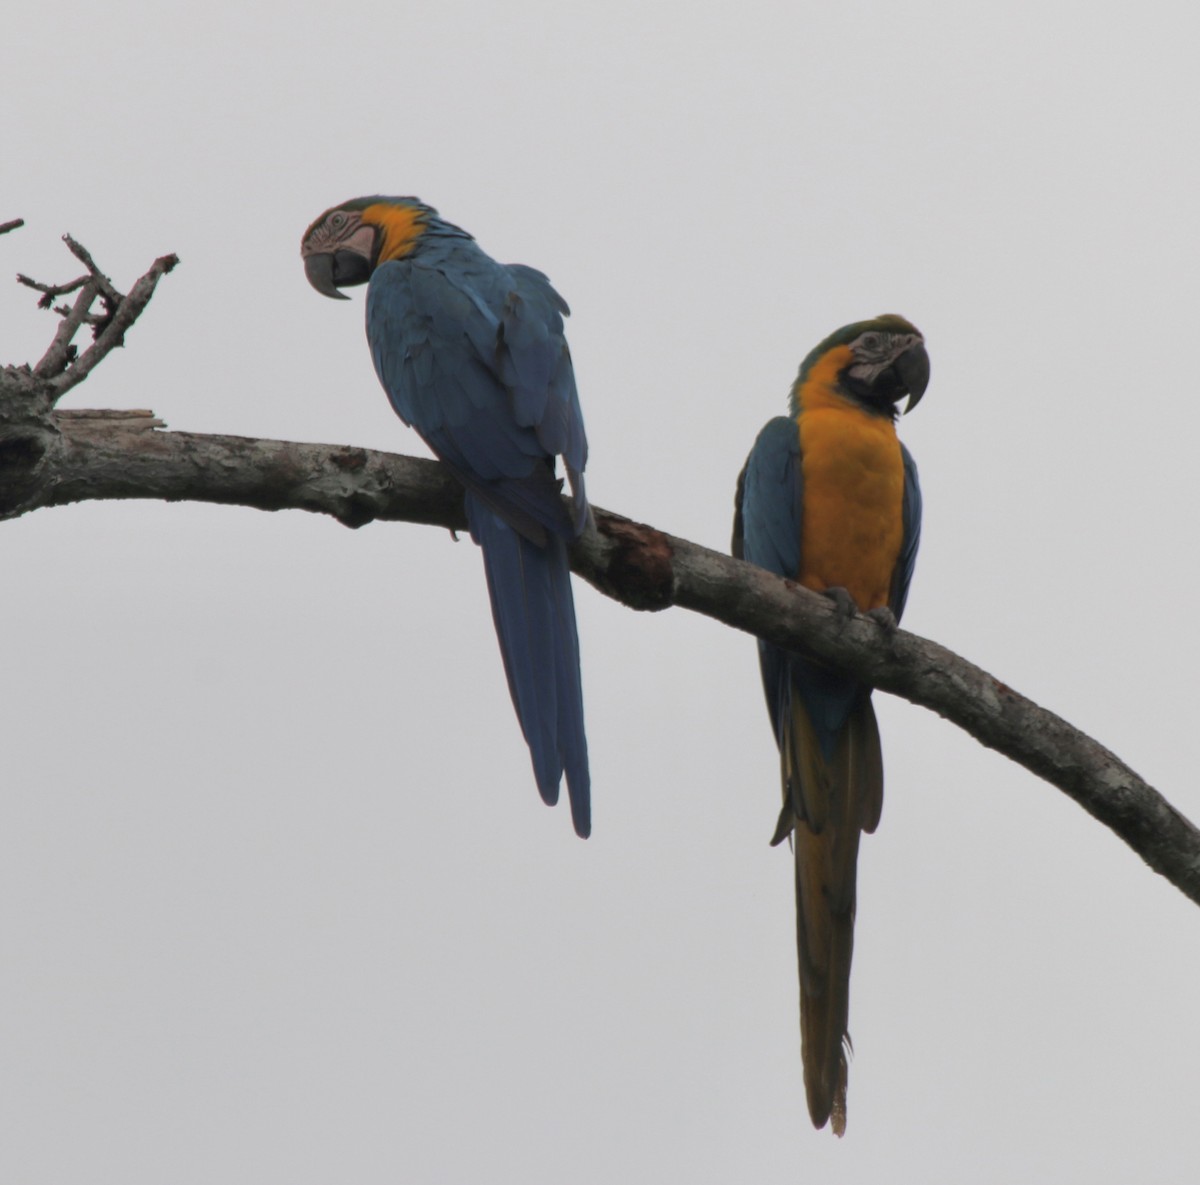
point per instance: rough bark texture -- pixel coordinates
(50, 458)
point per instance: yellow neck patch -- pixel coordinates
(820, 384)
(402, 226)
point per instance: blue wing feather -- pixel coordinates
(536, 348)
(456, 350)
(472, 354)
(911, 540)
(773, 499)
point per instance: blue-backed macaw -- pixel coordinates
(472, 355)
(829, 498)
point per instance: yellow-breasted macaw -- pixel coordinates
(472, 355)
(829, 498)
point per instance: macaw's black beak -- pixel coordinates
(912, 367)
(327, 273)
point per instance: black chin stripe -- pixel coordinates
(879, 399)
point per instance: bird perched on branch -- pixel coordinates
(472, 355)
(829, 498)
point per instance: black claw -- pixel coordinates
(843, 602)
(884, 618)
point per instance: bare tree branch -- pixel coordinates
(110, 332)
(50, 291)
(62, 363)
(5, 227)
(50, 458)
(102, 283)
(61, 352)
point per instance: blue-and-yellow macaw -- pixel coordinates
(472, 355)
(829, 498)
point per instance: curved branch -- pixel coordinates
(125, 455)
(52, 458)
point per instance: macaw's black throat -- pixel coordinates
(907, 376)
(343, 269)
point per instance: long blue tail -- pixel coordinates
(534, 612)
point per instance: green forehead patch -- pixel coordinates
(885, 323)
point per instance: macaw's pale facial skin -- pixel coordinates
(829, 497)
(345, 245)
(472, 354)
(339, 232)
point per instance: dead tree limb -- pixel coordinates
(50, 458)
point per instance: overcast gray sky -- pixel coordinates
(278, 899)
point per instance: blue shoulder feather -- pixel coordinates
(772, 500)
(473, 356)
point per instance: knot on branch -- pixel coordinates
(27, 437)
(640, 569)
(21, 456)
(357, 511)
(358, 507)
(349, 459)
(27, 442)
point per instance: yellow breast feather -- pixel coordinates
(853, 490)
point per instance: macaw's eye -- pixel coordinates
(337, 221)
(871, 341)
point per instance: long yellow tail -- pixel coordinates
(827, 806)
